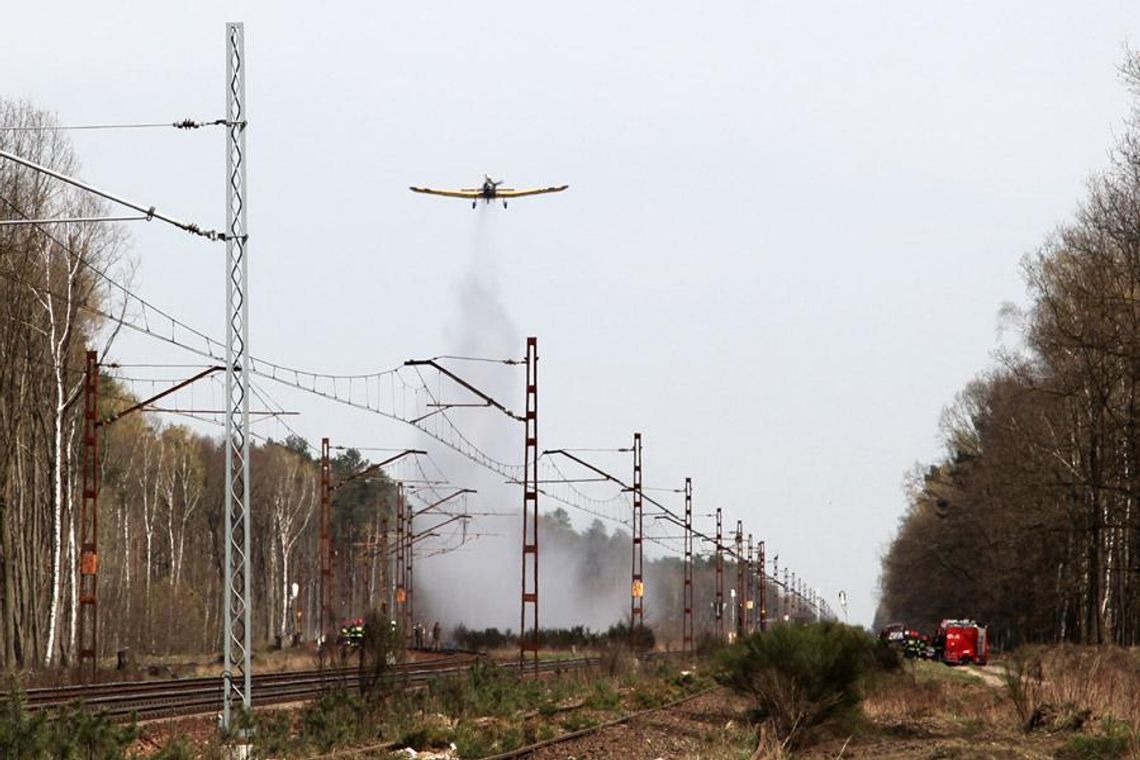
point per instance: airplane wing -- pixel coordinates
(447, 193)
(504, 193)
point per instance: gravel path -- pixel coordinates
(992, 675)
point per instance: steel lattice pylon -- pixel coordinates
(637, 581)
(236, 647)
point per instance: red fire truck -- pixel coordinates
(960, 642)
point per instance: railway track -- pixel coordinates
(149, 700)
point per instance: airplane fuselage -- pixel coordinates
(488, 193)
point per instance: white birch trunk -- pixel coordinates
(60, 329)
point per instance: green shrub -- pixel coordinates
(485, 689)
(511, 737)
(1114, 739)
(80, 734)
(72, 733)
(21, 734)
(650, 693)
(274, 733)
(474, 741)
(603, 696)
(426, 736)
(331, 721)
(1101, 747)
(802, 677)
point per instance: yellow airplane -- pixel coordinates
(489, 192)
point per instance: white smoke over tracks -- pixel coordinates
(480, 585)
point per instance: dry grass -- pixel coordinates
(1071, 689)
(927, 692)
(1066, 702)
(770, 746)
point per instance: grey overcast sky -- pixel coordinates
(789, 229)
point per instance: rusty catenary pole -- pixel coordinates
(88, 617)
(528, 640)
(761, 567)
(786, 603)
(385, 571)
(687, 625)
(739, 578)
(89, 522)
(637, 578)
(719, 577)
(749, 596)
(326, 622)
(409, 572)
(777, 604)
(401, 595)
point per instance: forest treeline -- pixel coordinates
(1031, 521)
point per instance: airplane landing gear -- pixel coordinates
(504, 204)
(474, 204)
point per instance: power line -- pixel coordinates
(151, 211)
(184, 124)
(569, 484)
(153, 365)
(478, 359)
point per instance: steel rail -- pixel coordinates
(149, 700)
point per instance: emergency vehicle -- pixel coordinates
(959, 642)
(893, 634)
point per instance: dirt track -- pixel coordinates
(992, 675)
